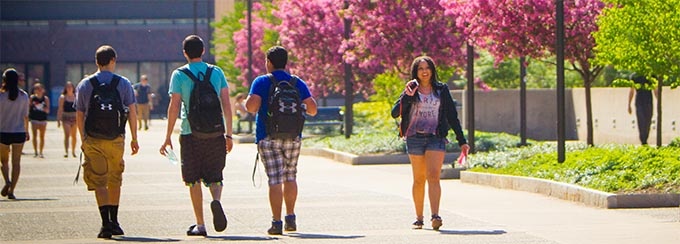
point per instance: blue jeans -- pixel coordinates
(419, 143)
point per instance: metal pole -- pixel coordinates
(349, 91)
(470, 101)
(195, 17)
(659, 136)
(250, 41)
(559, 43)
(522, 101)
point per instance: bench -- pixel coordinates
(326, 116)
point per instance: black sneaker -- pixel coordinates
(195, 231)
(219, 219)
(276, 229)
(105, 232)
(116, 230)
(290, 223)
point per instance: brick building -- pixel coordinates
(54, 41)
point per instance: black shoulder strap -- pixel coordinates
(115, 80)
(187, 72)
(94, 82)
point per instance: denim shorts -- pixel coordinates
(417, 144)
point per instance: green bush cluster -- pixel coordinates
(375, 131)
(609, 168)
(675, 142)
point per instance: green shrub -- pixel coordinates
(609, 168)
(675, 142)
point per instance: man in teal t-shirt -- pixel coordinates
(203, 158)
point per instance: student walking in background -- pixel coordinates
(144, 101)
(104, 101)
(201, 91)
(279, 123)
(38, 111)
(13, 129)
(642, 91)
(427, 113)
(66, 117)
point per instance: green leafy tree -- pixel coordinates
(222, 39)
(641, 36)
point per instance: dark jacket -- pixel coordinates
(448, 116)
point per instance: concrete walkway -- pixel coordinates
(338, 203)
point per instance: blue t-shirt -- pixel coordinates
(260, 87)
(142, 93)
(84, 90)
(182, 84)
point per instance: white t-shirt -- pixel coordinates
(425, 115)
(12, 113)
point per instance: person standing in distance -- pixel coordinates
(279, 155)
(103, 102)
(144, 101)
(643, 91)
(13, 129)
(203, 154)
(427, 113)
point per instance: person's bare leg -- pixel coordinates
(67, 137)
(276, 200)
(16, 165)
(418, 189)
(434, 161)
(41, 130)
(197, 202)
(4, 159)
(290, 192)
(74, 139)
(34, 131)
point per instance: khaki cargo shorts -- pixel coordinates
(103, 165)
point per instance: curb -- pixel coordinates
(570, 192)
(353, 159)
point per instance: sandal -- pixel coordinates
(5, 189)
(195, 231)
(436, 222)
(418, 224)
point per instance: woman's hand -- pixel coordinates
(411, 87)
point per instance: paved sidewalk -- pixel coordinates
(337, 203)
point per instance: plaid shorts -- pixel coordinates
(280, 159)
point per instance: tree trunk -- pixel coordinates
(589, 110)
(658, 112)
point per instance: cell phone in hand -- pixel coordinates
(413, 85)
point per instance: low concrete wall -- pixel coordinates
(570, 192)
(498, 111)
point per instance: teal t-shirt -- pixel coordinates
(181, 83)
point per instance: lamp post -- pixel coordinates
(250, 41)
(349, 89)
(559, 50)
(470, 101)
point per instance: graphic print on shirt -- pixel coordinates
(425, 116)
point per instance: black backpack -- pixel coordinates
(106, 115)
(205, 109)
(285, 114)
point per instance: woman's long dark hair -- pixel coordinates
(430, 63)
(68, 83)
(10, 83)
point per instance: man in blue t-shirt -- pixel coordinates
(279, 156)
(144, 103)
(203, 158)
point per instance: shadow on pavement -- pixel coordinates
(243, 238)
(29, 199)
(143, 239)
(321, 236)
(472, 232)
